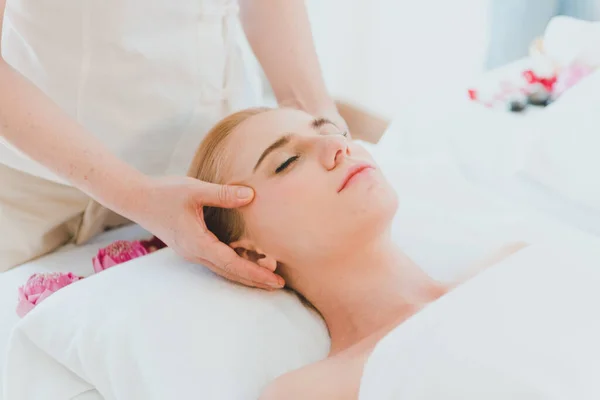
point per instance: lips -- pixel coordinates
(353, 171)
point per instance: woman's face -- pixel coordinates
(317, 194)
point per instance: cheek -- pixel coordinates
(291, 194)
(285, 209)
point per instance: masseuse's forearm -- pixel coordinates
(31, 122)
(280, 35)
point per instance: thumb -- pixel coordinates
(225, 196)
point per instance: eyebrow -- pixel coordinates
(282, 141)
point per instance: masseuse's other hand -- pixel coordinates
(337, 119)
(172, 209)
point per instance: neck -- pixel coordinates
(369, 292)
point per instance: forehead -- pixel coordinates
(248, 140)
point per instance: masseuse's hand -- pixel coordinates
(337, 119)
(173, 211)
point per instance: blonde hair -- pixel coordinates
(226, 224)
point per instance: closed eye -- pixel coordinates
(286, 164)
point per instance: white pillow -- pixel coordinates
(76, 259)
(160, 328)
(565, 155)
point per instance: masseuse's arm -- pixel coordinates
(168, 207)
(280, 35)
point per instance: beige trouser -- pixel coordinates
(39, 216)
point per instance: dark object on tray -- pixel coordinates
(517, 106)
(540, 99)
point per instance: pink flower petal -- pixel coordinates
(33, 298)
(44, 296)
(24, 307)
(97, 264)
(109, 262)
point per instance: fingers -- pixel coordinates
(231, 266)
(237, 279)
(225, 196)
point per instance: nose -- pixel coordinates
(334, 149)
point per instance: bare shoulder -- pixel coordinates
(494, 258)
(505, 251)
(500, 254)
(514, 247)
(335, 378)
(284, 387)
(309, 382)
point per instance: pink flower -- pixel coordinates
(570, 76)
(39, 286)
(117, 253)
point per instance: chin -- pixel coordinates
(379, 200)
(384, 208)
(375, 214)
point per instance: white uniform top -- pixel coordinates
(147, 77)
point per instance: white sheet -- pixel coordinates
(564, 157)
(445, 222)
(525, 329)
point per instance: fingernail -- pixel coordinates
(275, 285)
(244, 193)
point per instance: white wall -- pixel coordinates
(384, 53)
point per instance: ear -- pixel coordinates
(245, 248)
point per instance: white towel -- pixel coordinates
(525, 329)
(567, 39)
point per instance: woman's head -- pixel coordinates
(318, 195)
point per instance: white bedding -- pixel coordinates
(525, 329)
